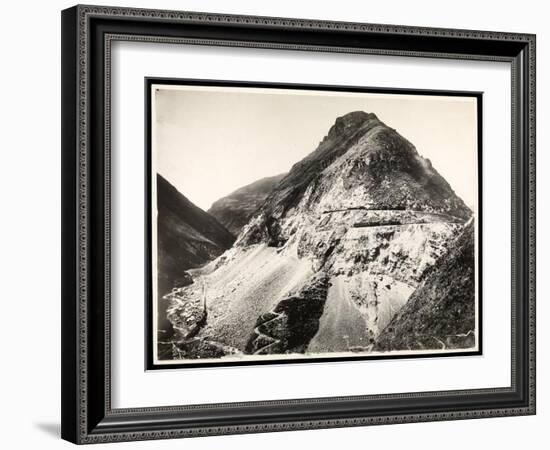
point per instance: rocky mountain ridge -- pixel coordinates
(345, 238)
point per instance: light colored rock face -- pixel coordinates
(240, 286)
(382, 265)
(372, 219)
(375, 266)
(357, 308)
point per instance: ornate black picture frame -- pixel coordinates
(87, 35)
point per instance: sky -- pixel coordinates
(210, 141)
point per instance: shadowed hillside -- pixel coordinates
(188, 237)
(236, 209)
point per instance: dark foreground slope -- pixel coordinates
(441, 311)
(188, 237)
(235, 210)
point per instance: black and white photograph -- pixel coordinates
(272, 225)
(296, 224)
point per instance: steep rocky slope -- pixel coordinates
(441, 311)
(235, 210)
(345, 238)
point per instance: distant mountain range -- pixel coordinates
(235, 210)
(361, 245)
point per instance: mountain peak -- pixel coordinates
(351, 121)
(362, 164)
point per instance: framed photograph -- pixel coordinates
(308, 223)
(255, 207)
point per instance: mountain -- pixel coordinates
(236, 209)
(333, 253)
(441, 311)
(361, 163)
(188, 237)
